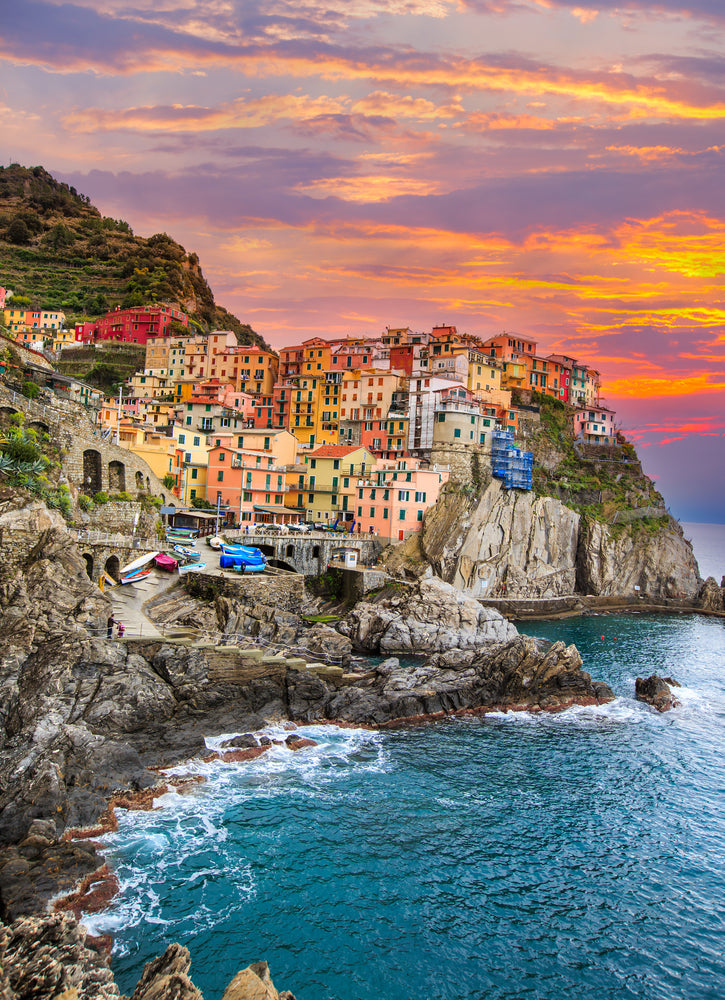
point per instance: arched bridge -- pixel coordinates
(308, 553)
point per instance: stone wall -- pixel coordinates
(85, 454)
(459, 459)
(284, 592)
(125, 517)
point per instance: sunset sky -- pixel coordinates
(540, 166)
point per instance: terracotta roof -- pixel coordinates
(335, 450)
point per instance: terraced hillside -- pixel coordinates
(58, 252)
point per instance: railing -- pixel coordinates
(93, 536)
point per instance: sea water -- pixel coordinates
(511, 856)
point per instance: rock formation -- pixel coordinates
(514, 544)
(661, 564)
(430, 618)
(655, 691)
(47, 958)
(83, 719)
(712, 597)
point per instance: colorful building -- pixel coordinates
(248, 473)
(136, 324)
(595, 426)
(327, 488)
(392, 500)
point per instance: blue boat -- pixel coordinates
(188, 555)
(244, 558)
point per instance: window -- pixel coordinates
(247, 497)
(336, 463)
(457, 432)
(385, 513)
(197, 442)
(194, 473)
(420, 515)
(359, 510)
(188, 421)
(192, 494)
(403, 496)
(220, 475)
(187, 456)
(313, 463)
(441, 418)
(221, 456)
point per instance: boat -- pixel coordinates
(167, 562)
(139, 574)
(188, 555)
(191, 567)
(172, 536)
(182, 532)
(244, 558)
(137, 563)
(214, 541)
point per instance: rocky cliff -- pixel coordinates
(513, 543)
(83, 718)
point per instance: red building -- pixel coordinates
(135, 325)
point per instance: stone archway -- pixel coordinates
(89, 564)
(113, 568)
(139, 482)
(38, 425)
(281, 564)
(92, 471)
(116, 477)
(289, 551)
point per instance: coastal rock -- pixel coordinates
(44, 957)
(520, 673)
(513, 544)
(655, 691)
(254, 983)
(432, 617)
(166, 977)
(661, 565)
(711, 597)
(508, 543)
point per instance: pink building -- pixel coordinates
(595, 425)
(393, 501)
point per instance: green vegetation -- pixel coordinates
(596, 481)
(328, 585)
(58, 252)
(24, 465)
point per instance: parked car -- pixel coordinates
(300, 526)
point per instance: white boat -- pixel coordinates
(191, 567)
(137, 563)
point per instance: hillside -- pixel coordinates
(604, 483)
(58, 252)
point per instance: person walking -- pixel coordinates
(109, 626)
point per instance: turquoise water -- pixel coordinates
(507, 857)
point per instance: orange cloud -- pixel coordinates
(241, 113)
(683, 386)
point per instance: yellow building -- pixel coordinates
(145, 383)
(156, 449)
(191, 451)
(485, 379)
(330, 482)
(314, 414)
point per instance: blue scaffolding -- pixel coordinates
(514, 466)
